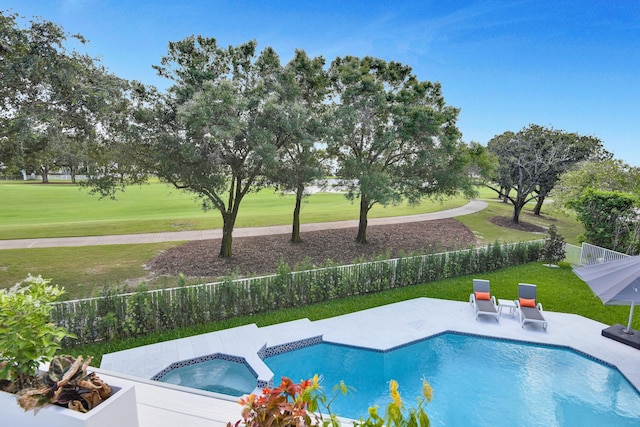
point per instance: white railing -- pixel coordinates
(591, 254)
(127, 315)
(248, 281)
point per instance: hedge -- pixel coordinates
(123, 315)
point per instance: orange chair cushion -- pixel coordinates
(483, 296)
(524, 302)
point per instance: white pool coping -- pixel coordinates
(380, 328)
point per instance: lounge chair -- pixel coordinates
(482, 301)
(530, 311)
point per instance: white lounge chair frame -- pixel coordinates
(529, 314)
(483, 307)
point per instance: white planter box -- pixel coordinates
(119, 410)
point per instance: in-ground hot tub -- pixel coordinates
(219, 373)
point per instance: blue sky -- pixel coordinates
(571, 65)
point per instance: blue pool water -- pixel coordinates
(217, 375)
(476, 382)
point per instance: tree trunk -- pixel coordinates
(72, 171)
(505, 194)
(229, 220)
(517, 209)
(362, 223)
(44, 172)
(536, 210)
(295, 232)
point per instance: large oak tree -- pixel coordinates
(54, 100)
(531, 161)
(215, 136)
(394, 138)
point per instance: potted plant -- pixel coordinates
(66, 395)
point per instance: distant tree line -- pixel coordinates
(55, 103)
(235, 119)
(579, 176)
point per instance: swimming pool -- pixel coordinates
(476, 381)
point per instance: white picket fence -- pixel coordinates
(349, 270)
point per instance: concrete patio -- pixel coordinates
(381, 328)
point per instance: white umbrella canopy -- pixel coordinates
(614, 282)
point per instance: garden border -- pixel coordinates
(144, 311)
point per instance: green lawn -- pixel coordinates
(35, 210)
(82, 271)
(487, 232)
(54, 210)
(61, 210)
(64, 209)
(559, 289)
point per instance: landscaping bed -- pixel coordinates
(261, 254)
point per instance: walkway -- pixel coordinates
(178, 236)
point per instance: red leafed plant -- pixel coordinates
(289, 404)
(298, 405)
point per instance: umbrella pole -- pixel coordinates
(628, 330)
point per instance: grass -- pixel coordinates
(34, 210)
(54, 210)
(487, 232)
(84, 271)
(553, 287)
(64, 210)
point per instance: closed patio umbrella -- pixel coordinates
(615, 282)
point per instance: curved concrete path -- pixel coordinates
(177, 236)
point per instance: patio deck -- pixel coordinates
(381, 328)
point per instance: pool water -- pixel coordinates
(476, 382)
(217, 375)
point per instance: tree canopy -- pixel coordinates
(299, 117)
(393, 137)
(217, 136)
(604, 175)
(235, 120)
(531, 161)
(55, 101)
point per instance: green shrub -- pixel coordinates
(142, 312)
(27, 336)
(553, 250)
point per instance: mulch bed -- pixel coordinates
(261, 254)
(520, 226)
